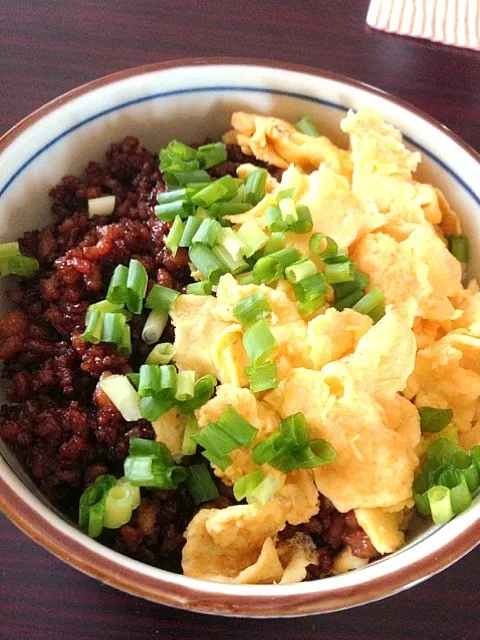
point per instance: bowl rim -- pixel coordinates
(199, 595)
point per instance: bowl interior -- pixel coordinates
(191, 104)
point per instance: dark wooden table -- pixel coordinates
(50, 46)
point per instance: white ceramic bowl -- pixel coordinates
(191, 100)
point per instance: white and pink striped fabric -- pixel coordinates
(454, 22)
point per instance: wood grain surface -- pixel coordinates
(50, 46)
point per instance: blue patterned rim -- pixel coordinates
(169, 94)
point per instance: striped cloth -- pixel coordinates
(454, 22)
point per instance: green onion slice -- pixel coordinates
(93, 330)
(161, 354)
(259, 342)
(322, 245)
(223, 188)
(434, 420)
(203, 288)
(252, 308)
(440, 504)
(117, 289)
(255, 186)
(246, 484)
(189, 446)
(173, 239)
(203, 391)
(305, 125)
(92, 506)
(251, 237)
(264, 492)
(120, 501)
(211, 267)
(369, 301)
(192, 225)
(154, 326)
(274, 219)
(262, 377)
(212, 154)
(458, 246)
(170, 210)
(339, 272)
(123, 395)
(207, 232)
(200, 484)
(304, 223)
(310, 288)
(113, 326)
(161, 298)
(137, 280)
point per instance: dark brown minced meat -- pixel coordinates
(62, 430)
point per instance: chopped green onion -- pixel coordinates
(9, 250)
(274, 219)
(112, 329)
(170, 210)
(145, 447)
(234, 265)
(377, 312)
(369, 301)
(161, 354)
(207, 263)
(245, 278)
(458, 246)
(220, 189)
(286, 193)
(344, 289)
(91, 510)
(203, 288)
(264, 492)
(251, 237)
(271, 267)
(304, 223)
(173, 239)
(185, 385)
(154, 326)
(255, 186)
(172, 196)
(294, 430)
(434, 420)
(288, 211)
(342, 272)
(212, 154)
(150, 471)
(222, 462)
(252, 308)
(275, 243)
(134, 379)
(322, 245)
(154, 407)
(21, 266)
(310, 288)
(259, 342)
(189, 446)
(227, 434)
(300, 270)
(123, 395)
(180, 178)
(93, 330)
(117, 289)
(161, 298)
(230, 240)
(124, 347)
(120, 502)
(305, 309)
(440, 504)
(220, 209)
(305, 125)
(200, 484)
(420, 493)
(174, 152)
(137, 281)
(204, 390)
(262, 377)
(340, 258)
(246, 484)
(349, 301)
(468, 468)
(168, 378)
(102, 206)
(149, 382)
(207, 232)
(443, 450)
(192, 225)
(103, 307)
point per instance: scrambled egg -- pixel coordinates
(359, 385)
